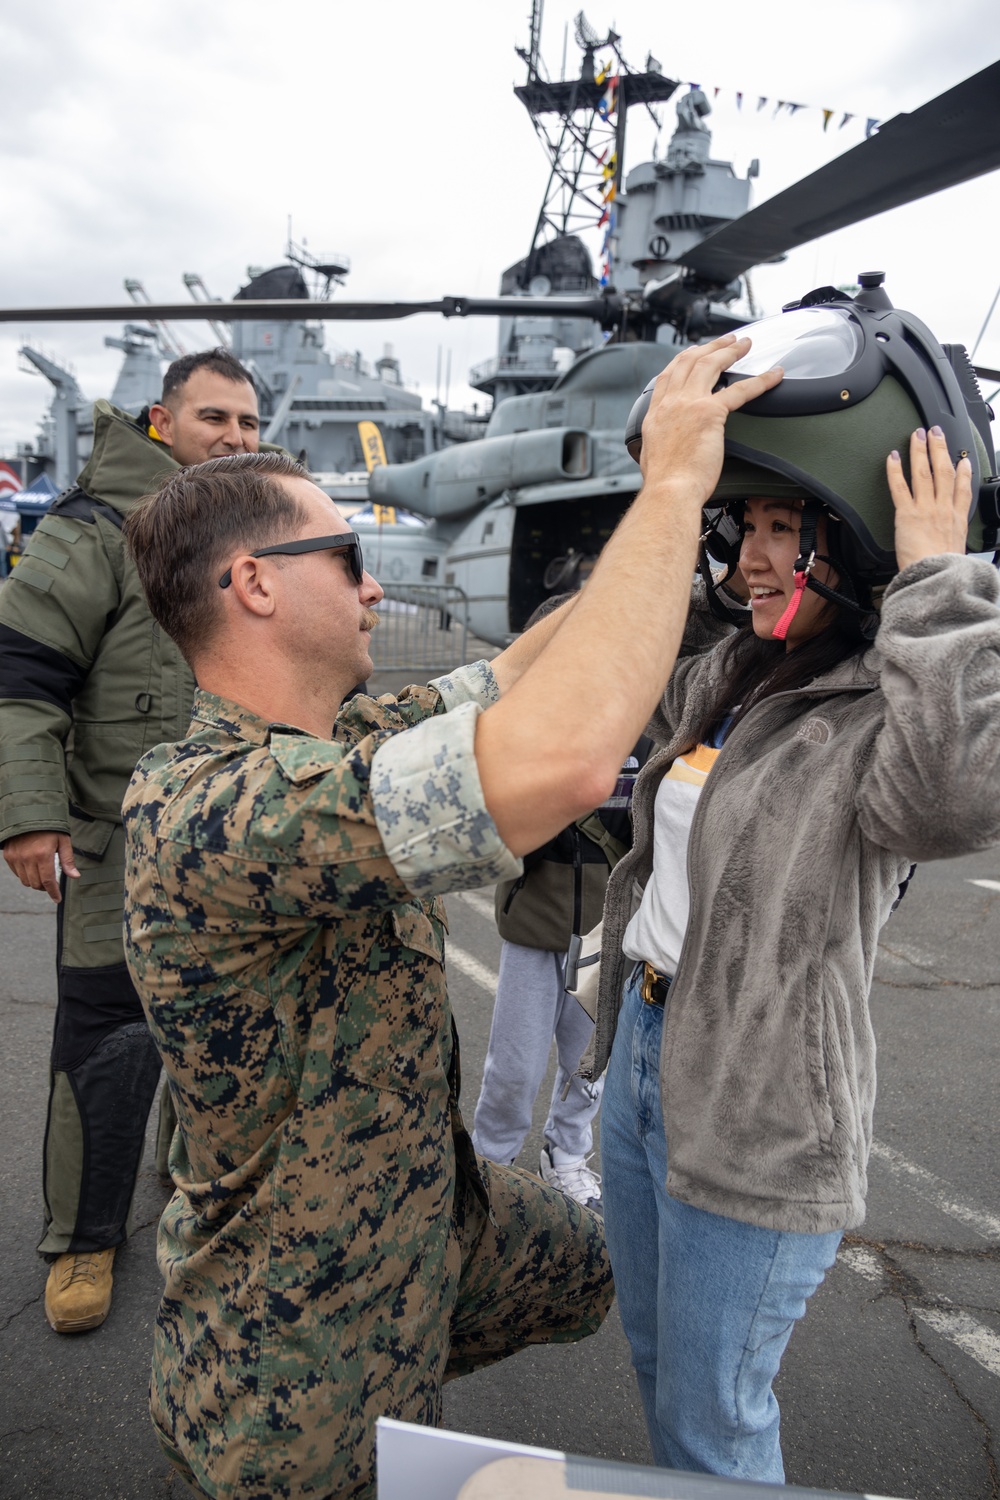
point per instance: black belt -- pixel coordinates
(654, 985)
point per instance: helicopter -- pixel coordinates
(528, 507)
(523, 511)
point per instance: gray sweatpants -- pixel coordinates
(531, 1008)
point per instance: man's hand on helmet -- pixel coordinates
(932, 516)
(682, 433)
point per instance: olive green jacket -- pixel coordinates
(88, 681)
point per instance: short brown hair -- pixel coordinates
(219, 361)
(182, 536)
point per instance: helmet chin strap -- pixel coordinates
(803, 574)
(804, 564)
(712, 584)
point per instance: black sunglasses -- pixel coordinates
(349, 541)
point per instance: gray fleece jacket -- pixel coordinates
(817, 805)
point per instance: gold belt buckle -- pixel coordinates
(649, 978)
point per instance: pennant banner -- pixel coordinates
(790, 107)
(607, 164)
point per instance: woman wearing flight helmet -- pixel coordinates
(848, 726)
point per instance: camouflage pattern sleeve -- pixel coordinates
(363, 715)
(472, 684)
(428, 805)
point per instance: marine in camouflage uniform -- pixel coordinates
(334, 1250)
(88, 682)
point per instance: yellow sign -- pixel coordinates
(371, 445)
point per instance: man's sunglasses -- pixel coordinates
(348, 541)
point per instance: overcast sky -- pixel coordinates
(148, 141)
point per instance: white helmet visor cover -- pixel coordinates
(811, 343)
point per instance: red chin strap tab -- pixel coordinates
(780, 630)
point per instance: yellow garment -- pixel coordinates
(694, 765)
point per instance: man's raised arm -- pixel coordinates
(551, 749)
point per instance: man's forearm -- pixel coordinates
(551, 748)
(509, 666)
(549, 751)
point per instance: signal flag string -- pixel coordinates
(790, 107)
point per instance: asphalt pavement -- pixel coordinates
(891, 1386)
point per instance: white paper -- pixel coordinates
(428, 1463)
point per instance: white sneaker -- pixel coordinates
(572, 1176)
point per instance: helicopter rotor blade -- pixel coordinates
(280, 309)
(949, 140)
(603, 310)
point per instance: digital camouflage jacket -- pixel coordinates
(88, 681)
(282, 933)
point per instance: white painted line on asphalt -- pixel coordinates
(862, 1261)
(936, 1191)
(975, 1340)
(479, 973)
(481, 905)
(987, 885)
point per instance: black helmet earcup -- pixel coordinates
(633, 427)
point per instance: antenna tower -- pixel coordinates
(581, 125)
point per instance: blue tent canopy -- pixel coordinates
(37, 497)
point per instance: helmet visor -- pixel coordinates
(812, 343)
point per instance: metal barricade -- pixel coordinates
(424, 629)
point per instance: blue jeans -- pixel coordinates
(708, 1303)
(531, 1007)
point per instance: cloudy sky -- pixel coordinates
(147, 141)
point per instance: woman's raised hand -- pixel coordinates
(682, 433)
(933, 516)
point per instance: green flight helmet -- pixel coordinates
(860, 377)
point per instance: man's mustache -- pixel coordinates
(369, 620)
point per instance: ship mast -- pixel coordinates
(581, 123)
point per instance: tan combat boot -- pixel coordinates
(78, 1291)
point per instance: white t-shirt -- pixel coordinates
(656, 932)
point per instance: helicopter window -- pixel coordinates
(811, 342)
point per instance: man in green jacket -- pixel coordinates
(88, 683)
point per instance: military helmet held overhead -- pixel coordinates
(860, 377)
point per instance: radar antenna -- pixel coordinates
(332, 267)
